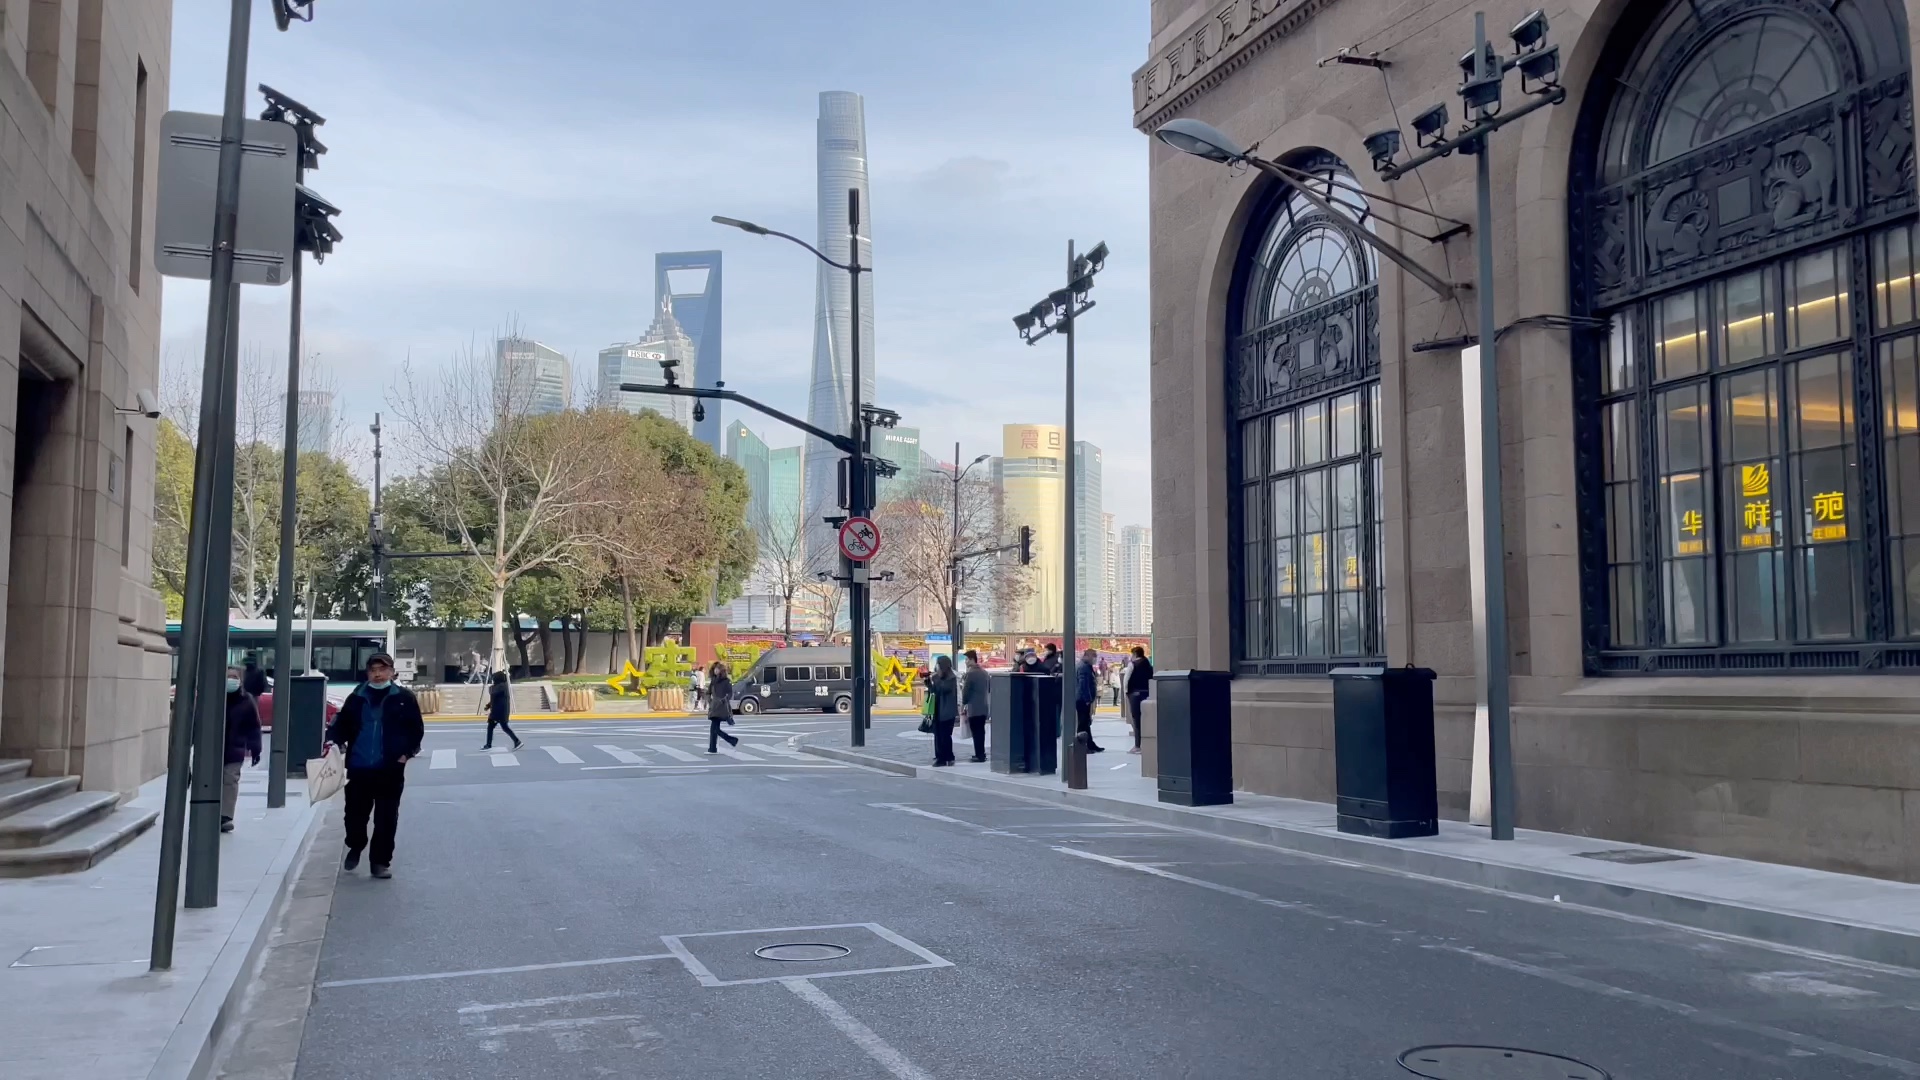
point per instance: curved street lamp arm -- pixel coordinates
(817, 253)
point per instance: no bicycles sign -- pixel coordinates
(859, 539)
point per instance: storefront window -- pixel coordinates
(1755, 483)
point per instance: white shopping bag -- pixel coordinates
(326, 774)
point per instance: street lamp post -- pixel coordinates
(313, 231)
(959, 474)
(1483, 71)
(861, 418)
(1058, 313)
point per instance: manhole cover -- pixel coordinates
(801, 951)
(1494, 1063)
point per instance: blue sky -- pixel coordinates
(505, 161)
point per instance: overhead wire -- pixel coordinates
(1445, 252)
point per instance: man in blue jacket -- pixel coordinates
(380, 727)
(1086, 689)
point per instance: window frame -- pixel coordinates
(1347, 329)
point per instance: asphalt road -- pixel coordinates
(988, 936)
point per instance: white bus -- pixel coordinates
(340, 647)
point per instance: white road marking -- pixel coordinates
(618, 754)
(562, 755)
(735, 752)
(673, 752)
(445, 759)
(917, 812)
(437, 975)
(783, 751)
(1120, 766)
(689, 770)
(540, 1003)
(863, 1036)
(503, 760)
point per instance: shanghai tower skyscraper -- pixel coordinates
(842, 149)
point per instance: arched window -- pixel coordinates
(1303, 369)
(1749, 451)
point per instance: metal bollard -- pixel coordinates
(1077, 762)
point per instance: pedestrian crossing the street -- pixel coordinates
(662, 757)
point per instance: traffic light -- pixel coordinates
(1026, 545)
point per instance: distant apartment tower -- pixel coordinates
(640, 362)
(690, 280)
(1109, 577)
(1034, 494)
(1135, 587)
(538, 380)
(1089, 542)
(841, 149)
(315, 435)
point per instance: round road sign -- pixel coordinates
(859, 539)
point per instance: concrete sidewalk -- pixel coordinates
(1866, 918)
(76, 998)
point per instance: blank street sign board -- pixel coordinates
(189, 170)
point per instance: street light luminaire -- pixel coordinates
(1482, 96)
(1430, 126)
(1200, 139)
(1061, 299)
(1041, 312)
(1097, 258)
(1023, 322)
(744, 226)
(1383, 146)
(1530, 32)
(1540, 70)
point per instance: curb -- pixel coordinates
(1796, 930)
(189, 1053)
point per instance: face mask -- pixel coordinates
(379, 684)
(232, 685)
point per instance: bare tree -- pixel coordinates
(258, 421)
(941, 546)
(782, 569)
(513, 489)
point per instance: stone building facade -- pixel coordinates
(1709, 415)
(83, 686)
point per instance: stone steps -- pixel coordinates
(49, 826)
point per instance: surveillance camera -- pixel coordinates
(699, 412)
(144, 404)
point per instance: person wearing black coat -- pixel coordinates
(499, 709)
(253, 680)
(1139, 682)
(719, 706)
(243, 742)
(944, 688)
(381, 728)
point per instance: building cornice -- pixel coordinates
(1216, 46)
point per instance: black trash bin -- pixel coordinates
(1385, 783)
(1025, 727)
(306, 715)
(1194, 715)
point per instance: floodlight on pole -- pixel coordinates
(744, 226)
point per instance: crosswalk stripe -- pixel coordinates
(736, 753)
(673, 752)
(623, 756)
(445, 759)
(562, 755)
(503, 760)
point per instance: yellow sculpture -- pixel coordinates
(629, 683)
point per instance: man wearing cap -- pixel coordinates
(380, 727)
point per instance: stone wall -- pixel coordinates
(85, 665)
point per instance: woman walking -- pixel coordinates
(944, 688)
(243, 741)
(719, 706)
(499, 709)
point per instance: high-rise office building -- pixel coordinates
(901, 446)
(841, 148)
(690, 280)
(749, 451)
(1109, 577)
(538, 380)
(1089, 542)
(1032, 468)
(1135, 587)
(639, 362)
(315, 435)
